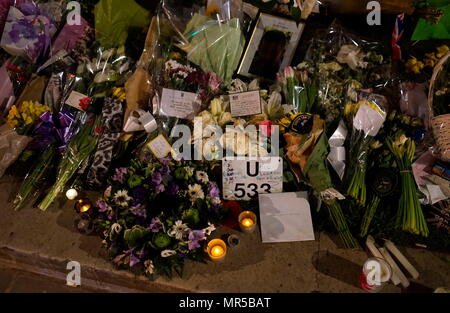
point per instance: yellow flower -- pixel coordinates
(431, 56)
(119, 93)
(442, 50)
(28, 120)
(429, 63)
(175, 56)
(12, 123)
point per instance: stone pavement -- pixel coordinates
(44, 242)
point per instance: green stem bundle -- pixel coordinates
(79, 150)
(410, 216)
(356, 172)
(368, 215)
(30, 184)
(340, 223)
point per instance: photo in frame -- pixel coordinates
(271, 47)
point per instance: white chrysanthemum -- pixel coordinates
(202, 177)
(116, 228)
(121, 198)
(208, 230)
(195, 192)
(179, 229)
(168, 253)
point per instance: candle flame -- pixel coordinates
(247, 222)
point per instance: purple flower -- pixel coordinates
(155, 225)
(213, 190)
(156, 179)
(133, 259)
(166, 160)
(119, 176)
(173, 189)
(111, 216)
(195, 236)
(139, 211)
(160, 188)
(139, 193)
(164, 170)
(103, 206)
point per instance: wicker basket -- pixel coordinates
(439, 124)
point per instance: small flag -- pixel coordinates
(397, 35)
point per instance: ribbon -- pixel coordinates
(51, 130)
(145, 121)
(337, 154)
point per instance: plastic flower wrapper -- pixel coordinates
(215, 46)
(16, 135)
(27, 33)
(318, 176)
(342, 63)
(114, 18)
(79, 149)
(299, 88)
(365, 125)
(155, 215)
(109, 68)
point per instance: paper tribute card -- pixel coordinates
(285, 217)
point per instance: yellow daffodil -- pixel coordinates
(442, 50)
(429, 63)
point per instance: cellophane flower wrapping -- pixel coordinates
(27, 33)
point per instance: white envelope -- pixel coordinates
(285, 217)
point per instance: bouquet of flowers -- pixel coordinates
(15, 136)
(410, 216)
(27, 32)
(365, 125)
(155, 215)
(79, 149)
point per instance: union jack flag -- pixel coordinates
(397, 35)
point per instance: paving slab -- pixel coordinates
(43, 242)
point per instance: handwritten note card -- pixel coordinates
(160, 147)
(245, 179)
(180, 104)
(245, 103)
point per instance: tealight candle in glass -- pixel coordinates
(217, 250)
(247, 221)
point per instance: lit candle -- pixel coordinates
(83, 206)
(247, 221)
(217, 250)
(71, 194)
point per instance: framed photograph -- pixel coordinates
(271, 47)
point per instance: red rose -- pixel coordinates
(84, 103)
(99, 130)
